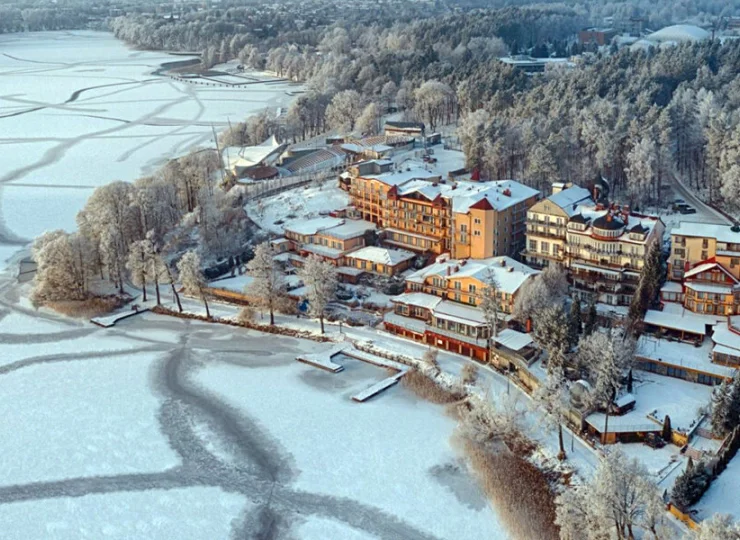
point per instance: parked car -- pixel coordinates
(688, 210)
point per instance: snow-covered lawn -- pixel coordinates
(296, 205)
(722, 495)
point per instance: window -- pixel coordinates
(457, 297)
(545, 247)
(471, 288)
(476, 233)
(704, 256)
(471, 300)
(463, 228)
(476, 221)
(533, 245)
(705, 243)
(458, 285)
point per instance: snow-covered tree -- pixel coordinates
(268, 282)
(726, 406)
(344, 109)
(620, 502)
(368, 123)
(642, 170)
(472, 135)
(469, 374)
(430, 360)
(589, 322)
(139, 264)
(551, 333)
(192, 278)
(553, 397)
(489, 304)
(433, 102)
(548, 289)
(717, 527)
(64, 266)
(320, 280)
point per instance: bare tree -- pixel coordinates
(192, 278)
(320, 280)
(268, 283)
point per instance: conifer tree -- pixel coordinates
(574, 321)
(589, 323)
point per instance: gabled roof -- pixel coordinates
(722, 233)
(706, 266)
(570, 198)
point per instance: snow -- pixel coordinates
(398, 178)
(512, 339)
(569, 198)
(324, 529)
(657, 396)
(722, 233)
(377, 453)
(500, 194)
(453, 311)
(724, 336)
(686, 322)
(379, 255)
(721, 497)
(94, 134)
(685, 355)
(422, 300)
(294, 206)
(81, 417)
(185, 514)
(671, 287)
(679, 33)
(312, 226)
(234, 284)
(709, 288)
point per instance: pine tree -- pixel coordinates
(574, 321)
(630, 382)
(690, 486)
(666, 428)
(589, 323)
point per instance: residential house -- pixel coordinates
(693, 243)
(441, 306)
(380, 260)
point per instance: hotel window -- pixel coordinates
(476, 233)
(458, 285)
(457, 297)
(704, 255)
(476, 221)
(463, 228)
(471, 288)
(705, 243)
(533, 245)
(545, 247)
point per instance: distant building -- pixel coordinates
(599, 36)
(528, 64)
(413, 129)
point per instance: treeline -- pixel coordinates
(137, 231)
(633, 117)
(17, 19)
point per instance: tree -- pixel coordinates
(368, 123)
(689, 486)
(433, 102)
(549, 288)
(574, 321)
(139, 264)
(667, 432)
(268, 283)
(192, 278)
(553, 398)
(472, 134)
(726, 406)
(64, 266)
(620, 502)
(551, 333)
(589, 324)
(344, 109)
(469, 374)
(717, 527)
(430, 360)
(490, 306)
(320, 280)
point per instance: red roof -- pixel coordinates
(483, 204)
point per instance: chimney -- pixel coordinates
(507, 192)
(503, 262)
(557, 187)
(510, 269)
(449, 270)
(608, 217)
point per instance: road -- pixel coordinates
(704, 212)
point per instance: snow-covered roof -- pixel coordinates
(679, 33)
(397, 178)
(724, 336)
(460, 313)
(708, 266)
(323, 251)
(685, 355)
(511, 339)
(722, 233)
(415, 325)
(671, 287)
(249, 156)
(330, 226)
(499, 194)
(510, 274)
(569, 198)
(714, 288)
(624, 400)
(381, 255)
(687, 322)
(422, 300)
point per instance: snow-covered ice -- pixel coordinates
(80, 109)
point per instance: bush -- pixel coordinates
(519, 490)
(94, 306)
(424, 387)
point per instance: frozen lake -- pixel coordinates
(81, 109)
